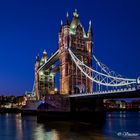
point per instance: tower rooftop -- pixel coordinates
(44, 52)
(75, 23)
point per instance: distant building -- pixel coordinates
(110, 104)
(12, 101)
(115, 104)
(121, 104)
(135, 104)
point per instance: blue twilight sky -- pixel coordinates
(27, 27)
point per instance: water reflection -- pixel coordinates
(120, 123)
(67, 131)
(43, 134)
(17, 127)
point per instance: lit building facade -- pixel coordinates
(44, 79)
(72, 35)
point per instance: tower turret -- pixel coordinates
(37, 65)
(75, 20)
(89, 43)
(44, 58)
(61, 26)
(37, 58)
(90, 34)
(67, 19)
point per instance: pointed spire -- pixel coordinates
(44, 56)
(67, 20)
(67, 15)
(37, 58)
(75, 14)
(90, 28)
(90, 23)
(44, 52)
(61, 23)
(75, 20)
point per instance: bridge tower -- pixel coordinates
(44, 79)
(72, 35)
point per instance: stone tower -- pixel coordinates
(44, 79)
(72, 35)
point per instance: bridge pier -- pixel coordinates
(62, 108)
(86, 105)
(99, 106)
(87, 110)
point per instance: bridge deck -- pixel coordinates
(110, 94)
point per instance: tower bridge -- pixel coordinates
(78, 76)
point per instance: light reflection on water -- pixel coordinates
(66, 131)
(17, 127)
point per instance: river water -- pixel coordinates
(116, 126)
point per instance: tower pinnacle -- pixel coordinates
(90, 23)
(90, 28)
(67, 14)
(45, 52)
(61, 22)
(37, 58)
(75, 14)
(67, 20)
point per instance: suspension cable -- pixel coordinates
(124, 81)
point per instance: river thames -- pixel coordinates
(116, 126)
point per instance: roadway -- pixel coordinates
(109, 94)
